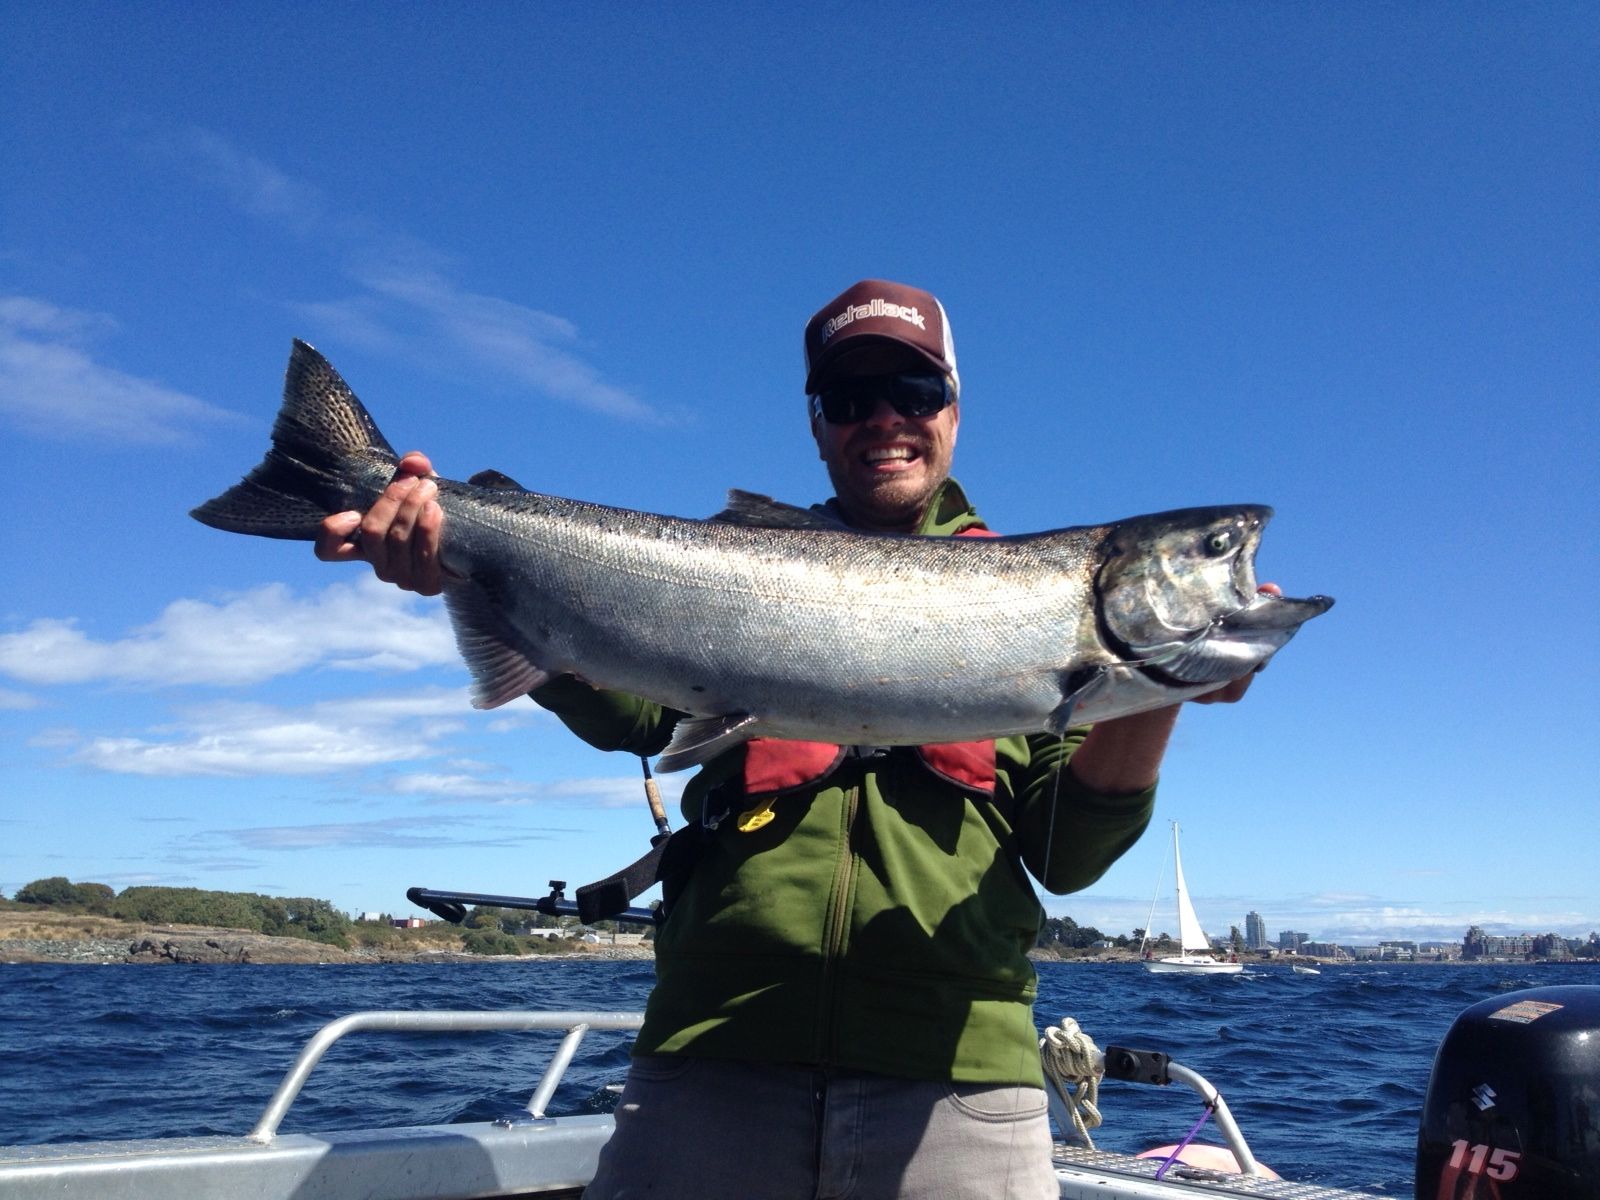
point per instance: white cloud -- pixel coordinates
(52, 387)
(255, 740)
(252, 184)
(247, 638)
(390, 833)
(463, 787)
(520, 343)
(620, 792)
(17, 701)
(290, 748)
(406, 297)
(468, 786)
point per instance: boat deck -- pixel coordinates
(1090, 1174)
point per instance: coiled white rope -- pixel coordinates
(1073, 1063)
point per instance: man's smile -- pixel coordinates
(897, 457)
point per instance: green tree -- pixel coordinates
(59, 891)
(96, 897)
(490, 941)
(278, 916)
(485, 917)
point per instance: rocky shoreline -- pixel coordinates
(162, 945)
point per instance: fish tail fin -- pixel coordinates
(327, 456)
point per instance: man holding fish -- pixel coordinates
(843, 1002)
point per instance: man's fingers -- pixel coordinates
(386, 528)
(398, 535)
(335, 543)
(426, 575)
(414, 463)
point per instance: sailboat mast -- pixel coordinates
(1154, 897)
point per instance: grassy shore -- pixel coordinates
(45, 935)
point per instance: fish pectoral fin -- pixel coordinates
(748, 508)
(1075, 689)
(499, 657)
(700, 739)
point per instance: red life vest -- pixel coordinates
(772, 766)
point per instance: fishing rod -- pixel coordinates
(452, 906)
(605, 899)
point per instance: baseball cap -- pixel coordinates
(878, 309)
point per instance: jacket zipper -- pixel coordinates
(838, 926)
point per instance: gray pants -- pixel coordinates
(712, 1130)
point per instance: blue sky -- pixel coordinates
(1340, 259)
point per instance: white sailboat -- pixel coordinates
(1196, 956)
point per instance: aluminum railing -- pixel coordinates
(576, 1025)
(1143, 1066)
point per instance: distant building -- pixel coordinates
(407, 922)
(1292, 941)
(370, 918)
(1255, 931)
(1321, 949)
(1517, 946)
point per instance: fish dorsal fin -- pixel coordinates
(500, 658)
(495, 481)
(700, 739)
(750, 508)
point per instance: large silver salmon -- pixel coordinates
(774, 621)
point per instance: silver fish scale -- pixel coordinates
(886, 638)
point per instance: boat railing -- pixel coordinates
(575, 1025)
(1152, 1066)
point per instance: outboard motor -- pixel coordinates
(1513, 1106)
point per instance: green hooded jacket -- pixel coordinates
(880, 920)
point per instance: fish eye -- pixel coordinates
(1219, 542)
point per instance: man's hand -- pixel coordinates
(398, 535)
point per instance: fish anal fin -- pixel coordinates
(749, 508)
(698, 740)
(499, 657)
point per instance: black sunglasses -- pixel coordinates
(912, 394)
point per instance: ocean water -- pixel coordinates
(1325, 1074)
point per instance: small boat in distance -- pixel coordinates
(1195, 957)
(1300, 969)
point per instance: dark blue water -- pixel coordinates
(1325, 1074)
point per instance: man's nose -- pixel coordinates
(883, 415)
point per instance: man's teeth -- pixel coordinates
(888, 453)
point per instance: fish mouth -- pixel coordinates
(1238, 643)
(1268, 613)
(1178, 597)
